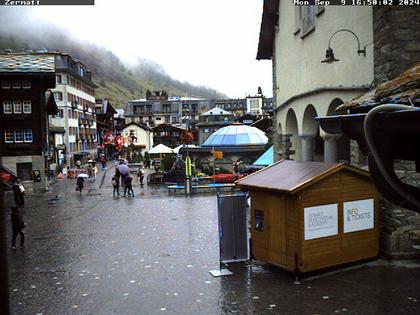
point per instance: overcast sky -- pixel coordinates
(212, 43)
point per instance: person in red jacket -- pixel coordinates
(17, 227)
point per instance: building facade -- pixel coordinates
(25, 106)
(75, 97)
(236, 106)
(168, 135)
(105, 125)
(211, 121)
(159, 108)
(295, 38)
(370, 45)
(119, 121)
(139, 135)
(258, 105)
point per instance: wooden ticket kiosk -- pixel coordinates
(312, 215)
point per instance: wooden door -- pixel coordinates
(277, 230)
(259, 228)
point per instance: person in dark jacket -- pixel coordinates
(17, 227)
(80, 182)
(116, 184)
(18, 192)
(128, 185)
(117, 174)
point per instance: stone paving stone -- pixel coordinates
(151, 255)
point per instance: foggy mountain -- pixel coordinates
(116, 81)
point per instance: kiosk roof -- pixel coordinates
(290, 176)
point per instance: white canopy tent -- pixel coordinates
(161, 149)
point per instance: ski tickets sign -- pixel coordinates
(321, 221)
(358, 215)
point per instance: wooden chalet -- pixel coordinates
(168, 135)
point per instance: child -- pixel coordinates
(116, 184)
(140, 174)
(128, 185)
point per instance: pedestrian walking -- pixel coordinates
(128, 186)
(117, 173)
(53, 168)
(17, 227)
(18, 192)
(116, 185)
(79, 183)
(89, 170)
(124, 172)
(140, 174)
(236, 166)
(103, 161)
(156, 166)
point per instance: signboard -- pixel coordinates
(218, 154)
(358, 215)
(321, 221)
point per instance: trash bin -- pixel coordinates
(233, 233)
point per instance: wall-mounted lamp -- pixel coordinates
(329, 54)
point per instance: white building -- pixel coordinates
(295, 38)
(140, 135)
(75, 98)
(254, 104)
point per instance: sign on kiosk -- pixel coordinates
(321, 221)
(358, 215)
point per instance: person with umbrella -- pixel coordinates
(80, 181)
(124, 171)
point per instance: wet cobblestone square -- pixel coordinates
(152, 254)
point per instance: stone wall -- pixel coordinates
(400, 231)
(37, 164)
(397, 47)
(356, 156)
(396, 40)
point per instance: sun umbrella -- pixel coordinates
(161, 149)
(124, 169)
(83, 175)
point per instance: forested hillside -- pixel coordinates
(116, 81)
